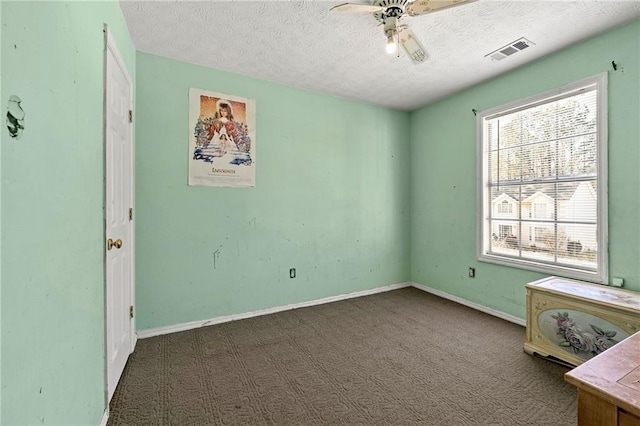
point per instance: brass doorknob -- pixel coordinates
(111, 244)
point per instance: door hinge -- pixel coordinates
(131, 311)
(130, 116)
(130, 213)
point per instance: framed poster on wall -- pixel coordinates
(222, 140)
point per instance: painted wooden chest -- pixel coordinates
(571, 321)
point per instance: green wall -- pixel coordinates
(352, 195)
(2, 136)
(53, 369)
(331, 200)
(443, 172)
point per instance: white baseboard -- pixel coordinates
(105, 417)
(151, 332)
(134, 340)
(481, 308)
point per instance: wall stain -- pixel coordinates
(15, 117)
(216, 255)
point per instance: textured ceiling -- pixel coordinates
(300, 43)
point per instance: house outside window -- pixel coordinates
(542, 165)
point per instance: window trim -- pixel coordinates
(601, 275)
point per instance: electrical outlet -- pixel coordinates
(472, 272)
(292, 273)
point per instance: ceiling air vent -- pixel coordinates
(509, 49)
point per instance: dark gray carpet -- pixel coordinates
(402, 357)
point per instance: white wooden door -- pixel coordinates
(118, 229)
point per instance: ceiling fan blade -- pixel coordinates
(411, 44)
(421, 7)
(353, 7)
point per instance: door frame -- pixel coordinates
(110, 46)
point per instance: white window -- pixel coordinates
(505, 207)
(539, 210)
(549, 154)
(505, 231)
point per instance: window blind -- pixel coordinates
(540, 188)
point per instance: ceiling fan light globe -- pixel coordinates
(391, 48)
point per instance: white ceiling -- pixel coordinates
(300, 43)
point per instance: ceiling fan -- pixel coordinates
(390, 12)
